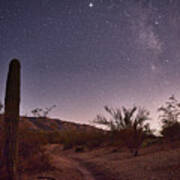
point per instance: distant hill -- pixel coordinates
(48, 124)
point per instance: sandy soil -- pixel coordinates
(65, 168)
(153, 163)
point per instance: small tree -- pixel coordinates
(169, 116)
(130, 123)
(47, 110)
(38, 112)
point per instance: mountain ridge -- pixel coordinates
(50, 124)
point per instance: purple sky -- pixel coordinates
(83, 54)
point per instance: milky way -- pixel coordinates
(84, 54)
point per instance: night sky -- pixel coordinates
(83, 54)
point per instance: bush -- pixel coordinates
(32, 153)
(170, 115)
(53, 137)
(90, 139)
(129, 125)
(171, 131)
(36, 163)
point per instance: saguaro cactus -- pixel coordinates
(11, 120)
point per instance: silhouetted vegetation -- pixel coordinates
(39, 112)
(129, 125)
(32, 152)
(170, 114)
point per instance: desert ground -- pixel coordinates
(156, 162)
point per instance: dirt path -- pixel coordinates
(99, 173)
(84, 173)
(65, 168)
(78, 167)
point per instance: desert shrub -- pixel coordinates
(90, 139)
(170, 116)
(53, 137)
(39, 112)
(31, 141)
(32, 152)
(96, 139)
(171, 131)
(35, 163)
(68, 139)
(128, 126)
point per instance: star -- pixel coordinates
(167, 60)
(91, 5)
(153, 67)
(156, 22)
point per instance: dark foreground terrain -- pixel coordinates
(157, 162)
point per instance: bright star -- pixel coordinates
(91, 5)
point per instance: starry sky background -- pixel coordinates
(83, 54)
